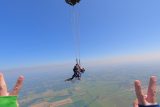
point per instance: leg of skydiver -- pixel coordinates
(74, 75)
(78, 76)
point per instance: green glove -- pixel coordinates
(8, 101)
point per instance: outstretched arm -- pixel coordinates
(9, 99)
(149, 99)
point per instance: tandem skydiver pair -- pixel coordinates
(78, 70)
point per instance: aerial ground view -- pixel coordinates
(111, 86)
(79, 53)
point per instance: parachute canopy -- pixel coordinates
(72, 2)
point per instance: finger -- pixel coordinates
(135, 103)
(18, 86)
(139, 92)
(3, 86)
(151, 95)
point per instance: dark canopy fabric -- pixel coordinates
(72, 2)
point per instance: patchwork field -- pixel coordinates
(109, 87)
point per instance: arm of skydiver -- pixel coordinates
(9, 99)
(148, 100)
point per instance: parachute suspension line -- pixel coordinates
(78, 37)
(76, 34)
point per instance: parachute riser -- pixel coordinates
(78, 61)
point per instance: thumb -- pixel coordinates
(135, 103)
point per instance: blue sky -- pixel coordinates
(36, 32)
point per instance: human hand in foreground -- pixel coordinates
(149, 99)
(9, 99)
(16, 89)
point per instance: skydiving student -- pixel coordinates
(9, 99)
(149, 99)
